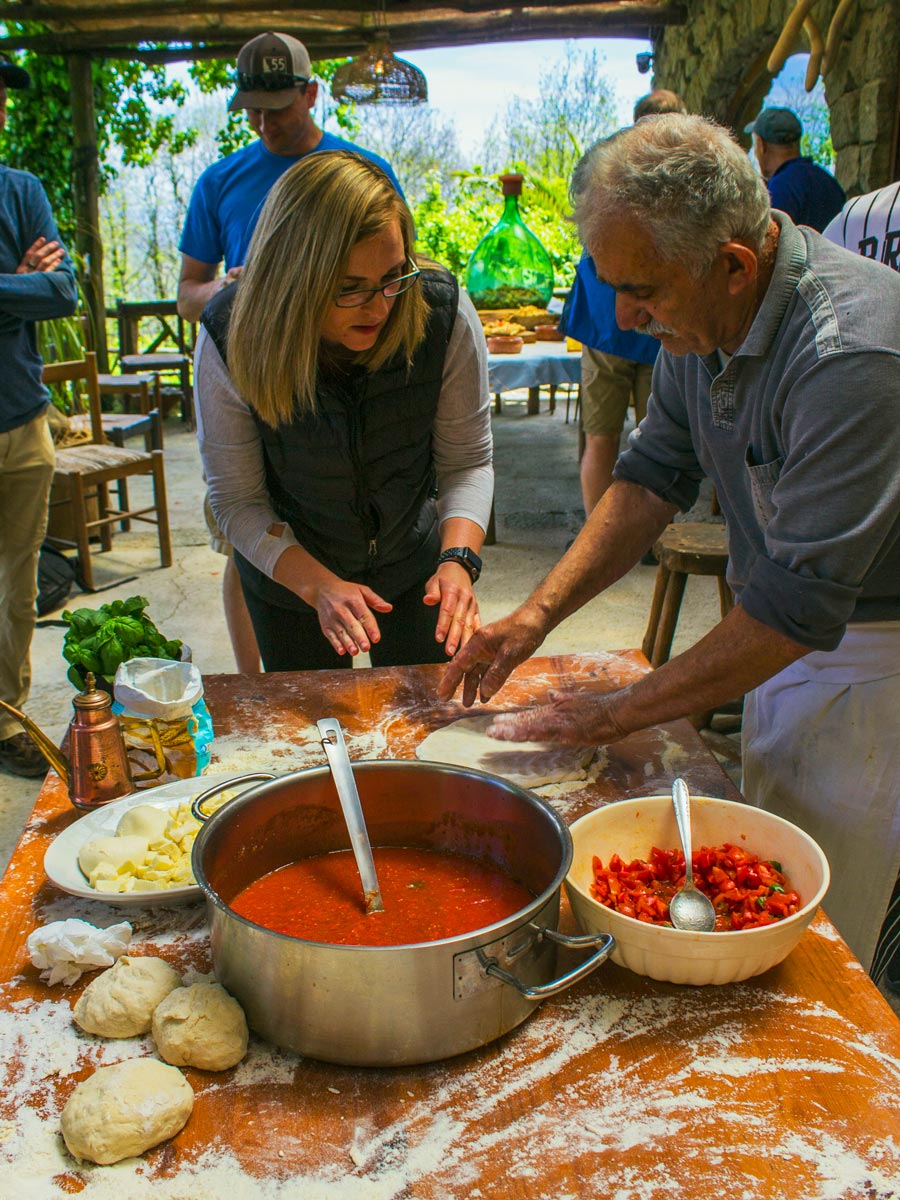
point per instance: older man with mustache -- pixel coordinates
(779, 379)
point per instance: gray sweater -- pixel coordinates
(35, 296)
(800, 434)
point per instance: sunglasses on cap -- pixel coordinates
(271, 81)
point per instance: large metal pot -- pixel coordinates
(392, 1005)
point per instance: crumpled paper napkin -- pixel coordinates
(64, 950)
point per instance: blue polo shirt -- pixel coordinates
(229, 195)
(589, 316)
(807, 193)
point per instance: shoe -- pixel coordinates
(20, 756)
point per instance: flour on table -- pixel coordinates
(465, 743)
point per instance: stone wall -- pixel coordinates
(717, 62)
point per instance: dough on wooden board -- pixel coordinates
(465, 743)
(120, 1002)
(201, 1026)
(123, 1110)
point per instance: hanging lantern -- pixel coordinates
(377, 76)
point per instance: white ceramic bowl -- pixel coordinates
(631, 828)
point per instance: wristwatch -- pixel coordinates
(465, 557)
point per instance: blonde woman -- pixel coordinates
(344, 426)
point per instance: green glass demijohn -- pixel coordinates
(509, 267)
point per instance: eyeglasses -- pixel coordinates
(395, 287)
(271, 81)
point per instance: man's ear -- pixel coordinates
(740, 264)
(312, 91)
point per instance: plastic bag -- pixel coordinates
(164, 719)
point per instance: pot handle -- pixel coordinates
(197, 803)
(605, 941)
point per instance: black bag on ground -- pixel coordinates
(57, 575)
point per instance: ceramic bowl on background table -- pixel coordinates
(504, 345)
(631, 828)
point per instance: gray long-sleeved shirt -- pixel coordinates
(800, 434)
(34, 296)
(232, 452)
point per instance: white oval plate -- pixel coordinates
(61, 860)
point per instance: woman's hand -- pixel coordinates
(578, 718)
(345, 614)
(451, 587)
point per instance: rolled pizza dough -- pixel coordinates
(465, 743)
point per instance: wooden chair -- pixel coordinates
(173, 364)
(85, 471)
(146, 421)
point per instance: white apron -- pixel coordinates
(821, 748)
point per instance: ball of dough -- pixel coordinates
(120, 1002)
(113, 850)
(201, 1026)
(143, 821)
(123, 1110)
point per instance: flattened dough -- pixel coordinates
(465, 743)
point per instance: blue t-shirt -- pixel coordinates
(32, 296)
(806, 192)
(229, 196)
(590, 317)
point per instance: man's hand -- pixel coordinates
(451, 587)
(577, 718)
(491, 654)
(41, 256)
(346, 617)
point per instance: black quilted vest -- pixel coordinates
(355, 481)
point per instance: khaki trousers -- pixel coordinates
(26, 472)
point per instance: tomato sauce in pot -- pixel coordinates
(428, 895)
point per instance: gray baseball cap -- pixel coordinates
(269, 70)
(777, 125)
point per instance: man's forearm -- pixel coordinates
(193, 296)
(733, 658)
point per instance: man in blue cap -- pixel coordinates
(798, 186)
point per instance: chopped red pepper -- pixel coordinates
(746, 891)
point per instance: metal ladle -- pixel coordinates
(689, 908)
(341, 771)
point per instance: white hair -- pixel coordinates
(684, 178)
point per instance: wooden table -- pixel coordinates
(536, 365)
(785, 1087)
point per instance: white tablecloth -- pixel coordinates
(537, 363)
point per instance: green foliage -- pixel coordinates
(98, 640)
(133, 104)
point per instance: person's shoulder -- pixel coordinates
(438, 284)
(15, 179)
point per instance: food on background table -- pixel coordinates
(428, 895)
(120, 1002)
(200, 1026)
(149, 852)
(503, 329)
(505, 345)
(123, 1110)
(98, 640)
(746, 891)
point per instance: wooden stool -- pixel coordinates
(684, 548)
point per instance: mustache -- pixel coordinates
(655, 329)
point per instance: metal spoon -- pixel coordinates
(339, 761)
(689, 908)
